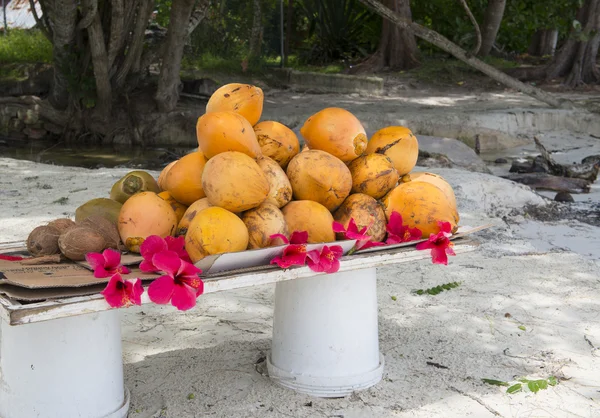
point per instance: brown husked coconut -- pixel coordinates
(262, 222)
(106, 228)
(62, 224)
(77, 242)
(43, 240)
(280, 189)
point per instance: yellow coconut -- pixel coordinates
(277, 141)
(262, 222)
(215, 231)
(190, 213)
(336, 131)
(235, 182)
(321, 177)
(226, 131)
(177, 207)
(245, 99)
(421, 205)
(434, 179)
(184, 179)
(373, 175)
(398, 144)
(309, 216)
(366, 212)
(280, 189)
(142, 215)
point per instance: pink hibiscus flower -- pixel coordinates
(119, 293)
(106, 264)
(439, 244)
(295, 253)
(363, 240)
(181, 284)
(325, 261)
(399, 233)
(155, 244)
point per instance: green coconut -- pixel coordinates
(132, 183)
(107, 208)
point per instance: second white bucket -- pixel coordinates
(69, 367)
(325, 334)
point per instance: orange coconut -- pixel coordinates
(262, 222)
(280, 189)
(235, 182)
(245, 99)
(163, 175)
(337, 132)
(177, 207)
(373, 175)
(226, 131)
(142, 215)
(399, 144)
(190, 213)
(310, 216)
(366, 212)
(421, 205)
(319, 176)
(434, 179)
(184, 179)
(215, 231)
(277, 141)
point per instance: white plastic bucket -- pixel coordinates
(71, 367)
(325, 334)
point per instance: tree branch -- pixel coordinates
(475, 25)
(116, 31)
(64, 18)
(47, 31)
(167, 93)
(91, 9)
(197, 16)
(446, 45)
(99, 61)
(135, 49)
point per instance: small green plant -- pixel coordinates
(436, 290)
(191, 396)
(523, 384)
(394, 298)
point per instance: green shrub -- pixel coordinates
(25, 46)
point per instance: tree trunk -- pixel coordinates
(576, 60)
(256, 34)
(64, 17)
(446, 45)
(491, 23)
(543, 43)
(397, 48)
(289, 30)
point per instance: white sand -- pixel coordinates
(546, 276)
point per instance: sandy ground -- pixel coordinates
(528, 306)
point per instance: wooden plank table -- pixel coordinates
(62, 357)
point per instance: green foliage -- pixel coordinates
(522, 18)
(437, 290)
(25, 46)
(337, 29)
(524, 384)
